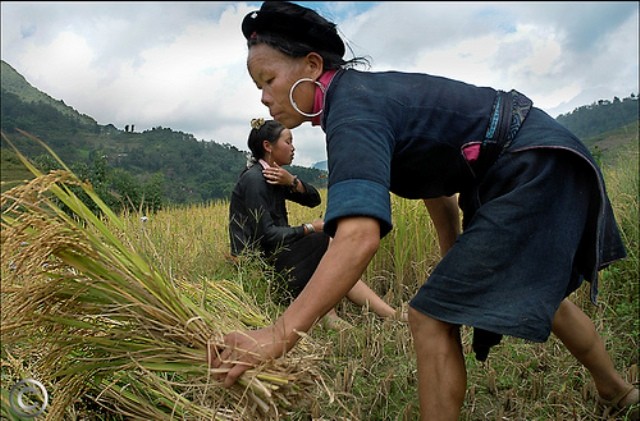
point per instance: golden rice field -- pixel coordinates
(113, 316)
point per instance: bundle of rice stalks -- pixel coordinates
(109, 326)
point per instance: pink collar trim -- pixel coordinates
(318, 101)
(264, 164)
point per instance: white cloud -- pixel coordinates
(65, 59)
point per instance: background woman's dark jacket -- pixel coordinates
(258, 215)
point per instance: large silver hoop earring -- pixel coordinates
(293, 103)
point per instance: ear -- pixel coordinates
(314, 64)
(266, 145)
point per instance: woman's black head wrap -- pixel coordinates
(293, 22)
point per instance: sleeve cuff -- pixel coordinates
(358, 198)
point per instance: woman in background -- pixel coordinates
(258, 218)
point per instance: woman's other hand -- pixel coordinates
(318, 225)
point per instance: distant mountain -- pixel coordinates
(322, 165)
(589, 121)
(189, 170)
(13, 82)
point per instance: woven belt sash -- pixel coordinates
(507, 115)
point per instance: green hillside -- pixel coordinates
(589, 121)
(183, 168)
(14, 83)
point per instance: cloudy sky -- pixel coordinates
(182, 65)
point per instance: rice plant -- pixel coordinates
(95, 319)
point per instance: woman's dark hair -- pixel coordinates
(269, 130)
(297, 31)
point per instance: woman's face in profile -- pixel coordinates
(274, 73)
(282, 151)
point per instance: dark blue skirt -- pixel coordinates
(528, 231)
